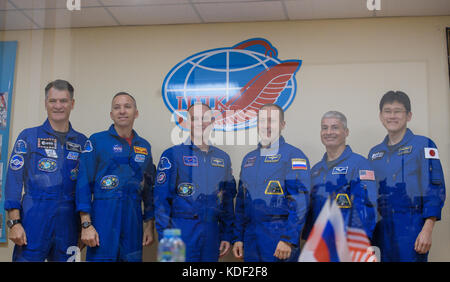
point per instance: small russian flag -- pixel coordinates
(299, 164)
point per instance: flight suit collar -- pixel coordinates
(188, 143)
(408, 136)
(273, 148)
(113, 132)
(345, 155)
(71, 134)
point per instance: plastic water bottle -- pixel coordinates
(179, 249)
(171, 248)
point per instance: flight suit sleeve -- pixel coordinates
(432, 182)
(228, 190)
(364, 189)
(86, 177)
(298, 187)
(149, 184)
(166, 180)
(19, 160)
(241, 218)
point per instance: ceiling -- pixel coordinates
(39, 14)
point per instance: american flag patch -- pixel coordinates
(366, 175)
(299, 164)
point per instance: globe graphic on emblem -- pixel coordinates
(219, 77)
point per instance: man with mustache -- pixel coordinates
(116, 176)
(44, 163)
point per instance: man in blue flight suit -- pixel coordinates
(194, 191)
(273, 195)
(43, 222)
(344, 176)
(411, 184)
(116, 175)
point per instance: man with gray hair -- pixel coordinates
(344, 176)
(44, 165)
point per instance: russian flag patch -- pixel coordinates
(299, 164)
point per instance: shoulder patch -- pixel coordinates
(299, 164)
(88, 147)
(164, 163)
(431, 153)
(20, 147)
(16, 162)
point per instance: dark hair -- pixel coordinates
(126, 94)
(396, 96)
(280, 110)
(198, 103)
(61, 85)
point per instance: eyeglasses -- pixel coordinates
(390, 112)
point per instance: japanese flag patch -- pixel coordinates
(431, 153)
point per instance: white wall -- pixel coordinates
(347, 66)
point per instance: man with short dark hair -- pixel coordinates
(273, 195)
(194, 191)
(44, 162)
(116, 176)
(411, 184)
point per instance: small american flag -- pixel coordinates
(358, 243)
(366, 175)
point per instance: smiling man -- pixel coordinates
(44, 163)
(411, 184)
(346, 177)
(273, 195)
(116, 176)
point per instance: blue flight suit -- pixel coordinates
(194, 192)
(350, 180)
(272, 200)
(411, 189)
(47, 170)
(119, 177)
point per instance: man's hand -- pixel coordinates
(423, 241)
(224, 248)
(17, 235)
(89, 236)
(148, 237)
(238, 250)
(283, 250)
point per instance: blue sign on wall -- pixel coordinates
(234, 81)
(7, 65)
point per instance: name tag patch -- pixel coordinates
(272, 159)
(377, 155)
(250, 162)
(190, 160)
(73, 147)
(404, 150)
(140, 150)
(217, 162)
(139, 158)
(340, 170)
(73, 156)
(47, 143)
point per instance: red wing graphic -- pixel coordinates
(265, 88)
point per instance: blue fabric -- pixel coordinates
(194, 192)
(272, 200)
(411, 189)
(342, 179)
(47, 171)
(119, 178)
